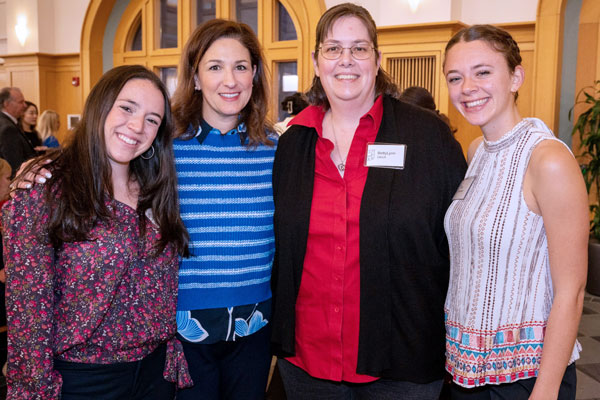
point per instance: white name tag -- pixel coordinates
(463, 189)
(385, 155)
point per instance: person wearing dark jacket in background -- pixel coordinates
(14, 146)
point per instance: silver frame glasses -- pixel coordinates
(352, 49)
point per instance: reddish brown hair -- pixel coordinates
(187, 101)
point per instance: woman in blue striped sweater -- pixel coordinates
(224, 157)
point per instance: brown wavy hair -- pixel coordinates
(383, 83)
(81, 172)
(498, 38)
(187, 101)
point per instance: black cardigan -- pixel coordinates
(404, 263)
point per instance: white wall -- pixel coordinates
(29, 9)
(45, 11)
(68, 21)
(2, 26)
(54, 25)
(498, 11)
(398, 12)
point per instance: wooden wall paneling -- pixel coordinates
(26, 79)
(92, 37)
(524, 34)
(45, 79)
(547, 65)
(57, 90)
(430, 40)
(23, 72)
(4, 79)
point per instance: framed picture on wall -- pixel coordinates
(73, 120)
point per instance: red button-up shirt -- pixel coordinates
(328, 303)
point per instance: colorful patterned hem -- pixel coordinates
(489, 379)
(476, 358)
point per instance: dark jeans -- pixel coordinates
(301, 386)
(130, 380)
(229, 370)
(518, 390)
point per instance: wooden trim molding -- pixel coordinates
(92, 38)
(548, 61)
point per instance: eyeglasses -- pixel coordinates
(334, 51)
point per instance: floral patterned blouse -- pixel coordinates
(104, 300)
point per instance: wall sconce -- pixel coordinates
(21, 29)
(414, 5)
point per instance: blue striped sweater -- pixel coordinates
(226, 203)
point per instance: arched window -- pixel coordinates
(153, 33)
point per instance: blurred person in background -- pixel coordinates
(14, 145)
(292, 105)
(422, 97)
(28, 122)
(48, 128)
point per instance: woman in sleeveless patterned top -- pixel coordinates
(517, 229)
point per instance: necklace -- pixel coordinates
(342, 165)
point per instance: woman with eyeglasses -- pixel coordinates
(361, 182)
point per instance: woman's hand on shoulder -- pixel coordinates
(37, 174)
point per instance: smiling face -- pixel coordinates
(30, 116)
(482, 87)
(133, 121)
(224, 76)
(348, 82)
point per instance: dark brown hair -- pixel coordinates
(419, 96)
(22, 117)
(81, 171)
(187, 102)
(383, 83)
(498, 38)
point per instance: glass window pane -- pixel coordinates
(287, 31)
(167, 22)
(168, 75)
(246, 11)
(205, 11)
(136, 42)
(288, 83)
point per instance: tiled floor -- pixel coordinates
(588, 366)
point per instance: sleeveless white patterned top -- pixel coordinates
(500, 290)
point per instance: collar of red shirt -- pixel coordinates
(312, 117)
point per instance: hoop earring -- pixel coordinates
(150, 156)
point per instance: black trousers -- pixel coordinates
(229, 370)
(120, 381)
